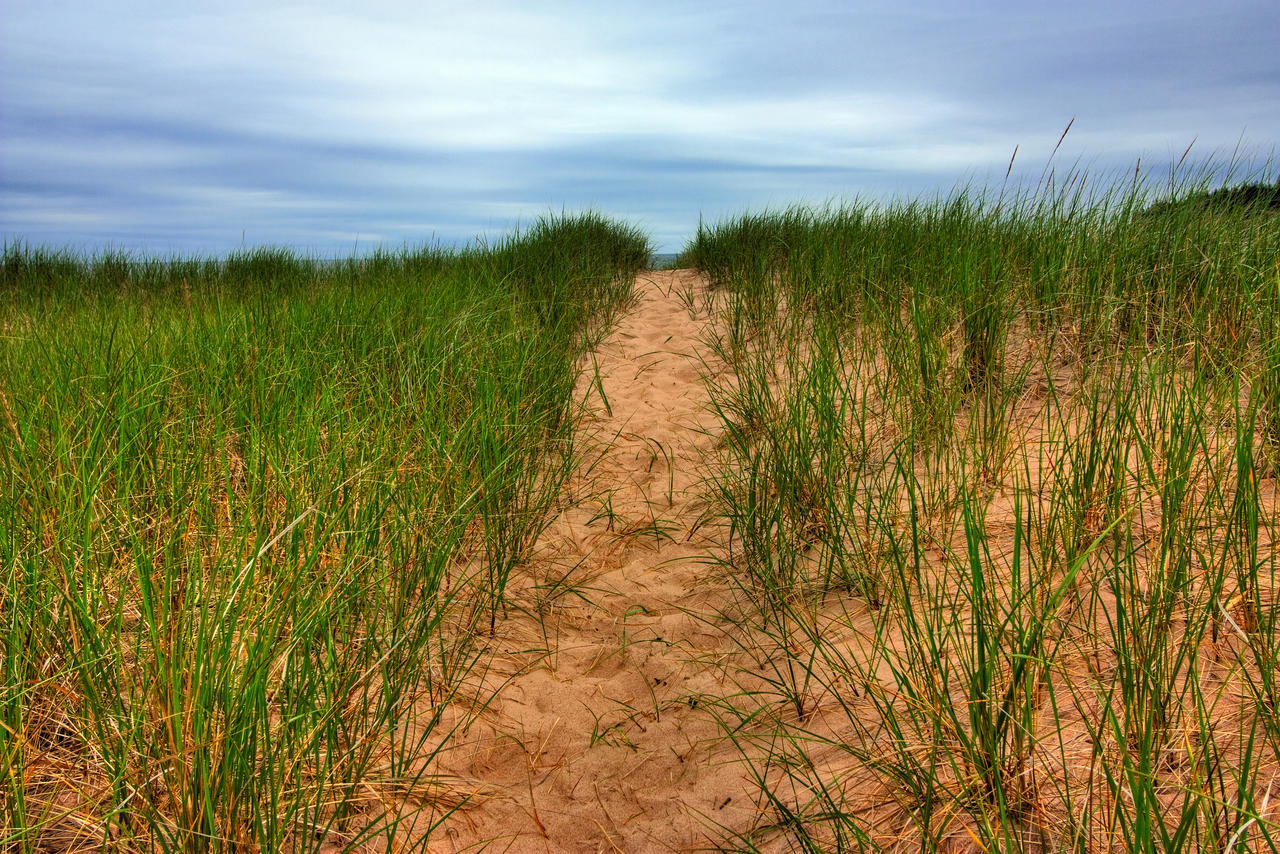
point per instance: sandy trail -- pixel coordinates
(601, 739)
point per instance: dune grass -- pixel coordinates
(1000, 476)
(252, 512)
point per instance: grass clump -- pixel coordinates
(240, 501)
(1000, 477)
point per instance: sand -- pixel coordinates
(602, 735)
(609, 687)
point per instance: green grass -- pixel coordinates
(245, 507)
(999, 474)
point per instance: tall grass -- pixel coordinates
(241, 502)
(1000, 478)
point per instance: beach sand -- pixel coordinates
(603, 734)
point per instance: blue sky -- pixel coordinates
(181, 127)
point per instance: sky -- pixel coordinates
(176, 127)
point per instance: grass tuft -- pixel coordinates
(1000, 477)
(245, 505)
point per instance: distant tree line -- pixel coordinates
(1257, 197)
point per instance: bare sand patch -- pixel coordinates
(601, 735)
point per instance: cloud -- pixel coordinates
(177, 128)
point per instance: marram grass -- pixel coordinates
(999, 472)
(1000, 476)
(238, 500)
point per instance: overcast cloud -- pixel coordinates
(178, 127)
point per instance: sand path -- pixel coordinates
(601, 739)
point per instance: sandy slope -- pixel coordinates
(601, 739)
